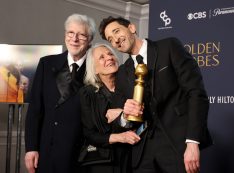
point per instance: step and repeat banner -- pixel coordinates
(206, 28)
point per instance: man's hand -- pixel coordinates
(112, 114)
(192, 158)
(132, 107)
(31, 161)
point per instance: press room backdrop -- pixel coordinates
(206, 30)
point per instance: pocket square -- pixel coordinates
(161, 69)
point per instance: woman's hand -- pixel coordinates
(129, 137)
(112, 114)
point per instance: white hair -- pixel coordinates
(91, 78)
(82, 19)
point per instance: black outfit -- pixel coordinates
(176, 106)
(53, 125)
(97, 131)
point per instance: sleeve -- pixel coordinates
(89, 121)
(190, 80)
(118, 97)
(33, 122)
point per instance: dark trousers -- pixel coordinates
(159, 156)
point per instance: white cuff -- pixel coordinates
(191, 141)
(123, 122)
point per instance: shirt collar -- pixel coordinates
(142, 52)
(71, 61)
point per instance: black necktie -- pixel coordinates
(74, 70)
(139, 59)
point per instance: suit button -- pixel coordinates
(55, 123)
(153, 113)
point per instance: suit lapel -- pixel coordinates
(152, 59)
(65, 85)
(62, 77)
(151, 56)
(130, 70)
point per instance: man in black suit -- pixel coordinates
(52, 130)
(175, 101)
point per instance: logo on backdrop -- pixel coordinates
(196, 15)
(205, 53)
(166, 19)
(222, 11)
(221, 99)
(210, 13)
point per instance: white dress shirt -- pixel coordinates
(71, 61)
(142, 52)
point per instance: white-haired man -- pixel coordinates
(52, 130)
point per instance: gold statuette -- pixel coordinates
(140, 72)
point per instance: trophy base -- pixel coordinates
(134, 118)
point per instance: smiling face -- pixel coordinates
(122, 38)
(105, 61)
(76, 39)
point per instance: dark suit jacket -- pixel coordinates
(96, 129)
(53, 117)
(175, 96)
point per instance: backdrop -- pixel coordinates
(206, 30)
(17, 67)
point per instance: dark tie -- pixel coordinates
(74, 70)
(139, 59)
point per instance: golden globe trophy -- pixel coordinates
(140, 72)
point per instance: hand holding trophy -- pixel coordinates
(140, 72)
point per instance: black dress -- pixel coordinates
(97, 131)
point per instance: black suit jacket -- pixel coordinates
(53, 118)
(175, 96)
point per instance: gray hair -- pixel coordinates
(91, 78)
(82, 19)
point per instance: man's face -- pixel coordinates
(77, 39)
(122, 38)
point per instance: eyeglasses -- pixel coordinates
(80, 36)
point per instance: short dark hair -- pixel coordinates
(109, 20)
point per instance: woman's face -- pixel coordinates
(105, 61)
